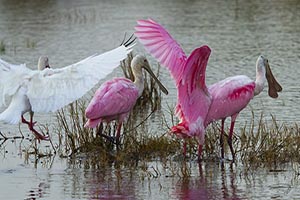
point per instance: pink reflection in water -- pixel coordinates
(111, 184)
(201, 187)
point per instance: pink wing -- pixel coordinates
(193, 97)
(161, 45)
(114, 97)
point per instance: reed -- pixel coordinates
(2, 47)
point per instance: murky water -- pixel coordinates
(237, 32)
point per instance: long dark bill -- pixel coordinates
(163, 89)
(274, 86)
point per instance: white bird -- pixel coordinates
(47, 90)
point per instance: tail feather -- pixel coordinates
(92, 123)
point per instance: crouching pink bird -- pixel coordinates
(232, 95)
(115, 98)
(193, 98)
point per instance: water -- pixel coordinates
(236, 31)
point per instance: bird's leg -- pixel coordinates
(24, 120)
(30, 126)
(199, 152)
(118, 134)
(184, 148)
(222, 139)
(229, 140)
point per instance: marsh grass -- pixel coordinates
(269, 145)
(2, 47)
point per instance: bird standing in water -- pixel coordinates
(193, 99)
(115, 98)
(232, 95)
(47, 90)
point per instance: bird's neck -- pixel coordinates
(260, 80)
(139, 80)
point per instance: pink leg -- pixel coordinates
(230, 135)
(30, 126)
(222, 139)
(199, 152)
(184, 148)
(118, 134)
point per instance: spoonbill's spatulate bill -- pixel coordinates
(233, 94)
(193, 99)
(115, 98)
(46, 89)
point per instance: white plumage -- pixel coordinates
(23, 90)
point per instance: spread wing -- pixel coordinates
(193, 97)
(11, 78)
(51, 89)
(159, 43)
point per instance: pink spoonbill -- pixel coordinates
(115, 98)
(193, 98)
(46, 90)
(232, 95)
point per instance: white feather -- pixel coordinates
(18, 106)
(52, 89)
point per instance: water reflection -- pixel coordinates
(204, 186)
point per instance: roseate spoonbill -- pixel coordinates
(233, 94)
(46, 89)
(115, 98)
(193, 98)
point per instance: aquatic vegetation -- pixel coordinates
(269, 145)
(2, 47)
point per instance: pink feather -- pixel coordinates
(193, 99)
(112, 101)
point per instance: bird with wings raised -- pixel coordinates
(47, 89)
(193, 99)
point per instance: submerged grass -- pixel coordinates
(258, 144)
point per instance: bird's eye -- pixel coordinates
(145, 60)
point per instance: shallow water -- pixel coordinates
(236, 31)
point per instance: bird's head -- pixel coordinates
(43, 63)
(262, 65)
(139, 62)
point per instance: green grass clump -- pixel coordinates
(2, 47)
(269, 145)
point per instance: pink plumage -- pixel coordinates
(229, 97)
(112, 101)
(116, 98)
(189, 75)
